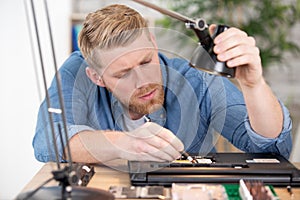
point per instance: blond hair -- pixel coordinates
(112, 26)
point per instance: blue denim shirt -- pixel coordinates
(198, 108)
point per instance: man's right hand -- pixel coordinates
(150, 142)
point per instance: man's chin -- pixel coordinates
(154, 108)
(144, 109)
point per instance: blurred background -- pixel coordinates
(275, 25)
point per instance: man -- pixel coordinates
(126, 100)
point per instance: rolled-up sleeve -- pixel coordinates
(75, 107)
(281, 145)
(44, 144)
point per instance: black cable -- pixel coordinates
(37, 189)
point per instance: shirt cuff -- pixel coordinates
(74, 129)
(264, 142)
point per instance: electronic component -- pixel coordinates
(125, 192)
(255, 190)
(198, 191)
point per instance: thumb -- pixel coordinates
(212, 28)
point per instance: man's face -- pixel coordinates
(133, 75)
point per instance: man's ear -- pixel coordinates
(94, 76)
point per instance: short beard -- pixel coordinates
(151, 106)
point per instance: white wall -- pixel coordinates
(19, 98)
(20, 93)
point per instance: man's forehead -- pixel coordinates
(107, 57)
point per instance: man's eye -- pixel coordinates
(122, 75)
(145, 62)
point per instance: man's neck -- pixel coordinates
(135, 116)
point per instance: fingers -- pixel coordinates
(167, 150)
(236, 48)
(156, 133)
(244, 57)
(230, 33)
(239, 55)
(166, 136)
(212, 28)
(230, 39)
(148, 152)
(156, 143)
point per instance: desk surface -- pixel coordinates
(105, 177)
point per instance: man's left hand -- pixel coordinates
(239, 50)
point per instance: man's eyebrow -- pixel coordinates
(145, 58)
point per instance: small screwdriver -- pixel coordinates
(187, 156)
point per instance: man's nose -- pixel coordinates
(141, 77)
